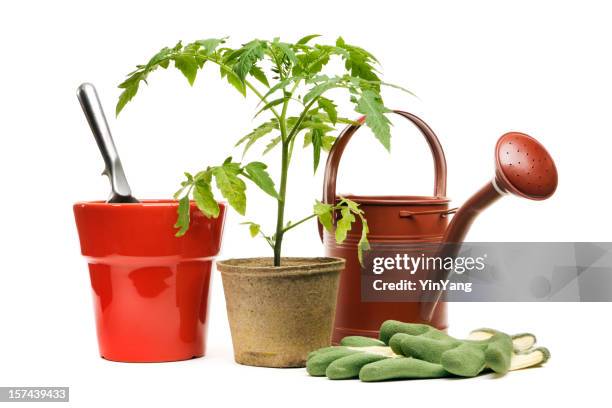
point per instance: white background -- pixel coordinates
(479, 68)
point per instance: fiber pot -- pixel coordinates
(278, 315)
(150, 288)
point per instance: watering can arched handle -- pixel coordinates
(333, 160)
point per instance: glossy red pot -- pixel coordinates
(150, 288)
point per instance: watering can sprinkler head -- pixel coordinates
(523, 167)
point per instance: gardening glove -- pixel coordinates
(372, 360)
(461, 358)
(486, 348)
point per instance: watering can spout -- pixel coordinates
(523, 167)
(467, 213)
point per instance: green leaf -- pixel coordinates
(271, 104)
(205, 175)
(126, 96)
(133, 79)
(321, 88)
(130, 85)
(211, 44)
(310, 124)
(363, 244)
(312, 62)
(307, 38)
(231, 187)
(287, 51)
(254, 228)
(324, 213)
(352, 205)
(344, 224)
(233, 80)
(358, 61)
(329, 107)
(315, 137)
(401, 88)
(272, 144)
(328, 142)
(160, 58)
(353, 48)
(257, 134)
(370, 104)
(187, 65)
(203, 196)
(182, 221)
(258, 174)
(247, 56)
(259, 75)
(184, 185)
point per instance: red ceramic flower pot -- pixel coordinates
(150, 288)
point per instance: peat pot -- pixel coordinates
(150, 288)
(277, 315)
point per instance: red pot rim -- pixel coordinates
(142, 203)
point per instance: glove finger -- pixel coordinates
(401, 368)
(318, 363)
(465, 360)
(349, 366)
(360, 341)
(523, 341)
(420, 347)
(321, 351)
(391, 327)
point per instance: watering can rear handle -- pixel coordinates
(333, 160)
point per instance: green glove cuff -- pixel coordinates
(521, 341)
(529, 358)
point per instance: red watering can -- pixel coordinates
(523, 168)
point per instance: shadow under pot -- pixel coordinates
(277, 315)
(150, 288)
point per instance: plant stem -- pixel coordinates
(303, 220)
(282, 192)
(278, 237)
(296, 127)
